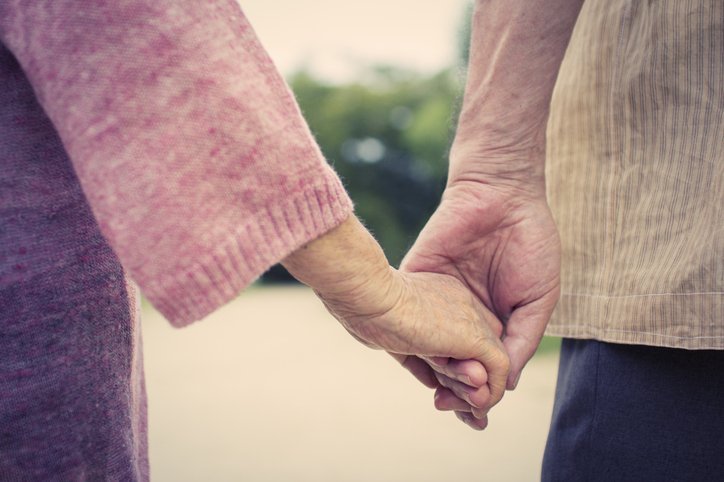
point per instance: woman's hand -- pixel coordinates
(430, 315)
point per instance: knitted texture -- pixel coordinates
(148, 138)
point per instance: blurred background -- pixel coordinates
(379, 84)
(270, 388)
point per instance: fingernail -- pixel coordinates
(465, 379)
(465, 393)
(469, 420)
(464, 417)
(481, 416)
(515, 382)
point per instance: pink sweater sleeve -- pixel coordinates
(188, 144)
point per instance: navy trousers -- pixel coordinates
(636, 413)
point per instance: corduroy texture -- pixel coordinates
(635, 172)
(153, 135)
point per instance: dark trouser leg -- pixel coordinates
(638, 413)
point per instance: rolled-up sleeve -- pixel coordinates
(189, 146)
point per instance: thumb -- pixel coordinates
(523, 333)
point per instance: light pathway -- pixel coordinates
(271, 388)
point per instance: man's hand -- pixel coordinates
(431, 315)
(503, 245)
(493, 229)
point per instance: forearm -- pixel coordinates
(516, 50)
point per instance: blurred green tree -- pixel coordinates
(387, 136)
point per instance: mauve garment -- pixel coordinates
(154, 137)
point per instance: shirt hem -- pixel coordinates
(692, 322)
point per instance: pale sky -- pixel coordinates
(334, 37)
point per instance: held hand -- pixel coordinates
(433, 316)
(504, 246)
(428, 314)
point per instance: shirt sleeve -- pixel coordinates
(189, 146)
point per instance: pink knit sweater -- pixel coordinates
(153, 135)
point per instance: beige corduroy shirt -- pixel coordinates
(635, 172)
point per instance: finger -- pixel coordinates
(419, 369)
(446, 400)
(477, 397)
(438, 361)
(479, 413)
(470, 372)
(497, 364)
(472, 422)
(523, 333)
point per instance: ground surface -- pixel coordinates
(271, 388)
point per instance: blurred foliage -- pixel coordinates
(387, 135)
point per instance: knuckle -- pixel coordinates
(503, 361)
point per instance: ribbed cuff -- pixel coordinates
(262, 241)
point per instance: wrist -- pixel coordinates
(347, 268)
(496, 186)
(519, 171)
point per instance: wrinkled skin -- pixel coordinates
(503, 245)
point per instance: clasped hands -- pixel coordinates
(469, 304)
